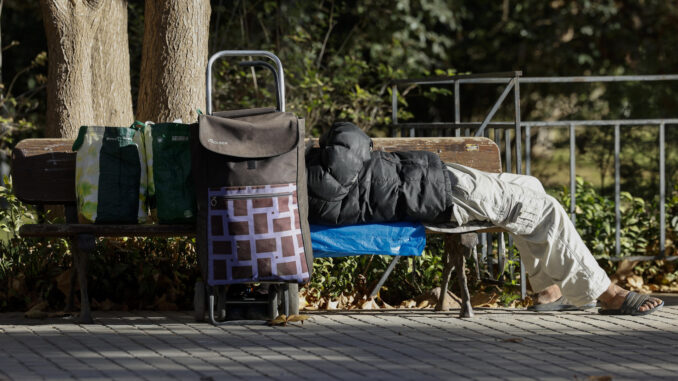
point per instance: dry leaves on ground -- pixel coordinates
(37, 311)
(485, 299)
(283, 320)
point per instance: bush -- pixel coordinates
(639, 234)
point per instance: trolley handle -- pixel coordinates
(280, 82)
(269, 67)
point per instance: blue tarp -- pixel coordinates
(396, 238)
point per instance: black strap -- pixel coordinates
(633, 302)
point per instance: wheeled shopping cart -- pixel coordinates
(253, 240)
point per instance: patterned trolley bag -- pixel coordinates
(251, 193)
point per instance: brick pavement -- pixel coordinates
(496, 344)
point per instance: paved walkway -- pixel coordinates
(496, 344)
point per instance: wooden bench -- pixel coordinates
(43, 172)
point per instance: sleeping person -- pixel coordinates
(349, 183)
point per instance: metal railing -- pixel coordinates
(511, 82)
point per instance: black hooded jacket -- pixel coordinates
(348, 183)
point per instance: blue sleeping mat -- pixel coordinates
(395, 238)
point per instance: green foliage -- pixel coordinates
(339, 57)
(596, 223)
(17, 112)
(28, 267)
(357, 275)
(128, 273)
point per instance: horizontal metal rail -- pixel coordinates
(451, 79)
(512, 80)
(558, 123)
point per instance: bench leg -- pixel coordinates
(448, 267)
(84, 245)
(384, 276)
(463, 248)
(457, 247)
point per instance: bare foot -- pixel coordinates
(548, 295)
(614, 297)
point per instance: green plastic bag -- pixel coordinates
(171, 196)
(110, 175)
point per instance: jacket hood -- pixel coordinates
(345, 150)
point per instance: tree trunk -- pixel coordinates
(88, 57)
(112, 102)
(174, 58)
(1, 92)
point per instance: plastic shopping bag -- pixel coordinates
(110, 175)
(171, 194)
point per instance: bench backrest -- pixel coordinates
(43, 170)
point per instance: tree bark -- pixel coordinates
(174, 57)
(112, 101)
(88, 60)
(1, 92)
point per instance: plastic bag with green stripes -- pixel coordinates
(171, 195)
(110, 175)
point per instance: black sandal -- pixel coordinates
(631, 306)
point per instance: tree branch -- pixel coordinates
(327, 36)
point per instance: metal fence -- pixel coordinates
(522, 130)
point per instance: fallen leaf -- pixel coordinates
(161, 304)
(332, 305)
(483, 299)
(280, 320)
(410, 303)
(635, 281)
(37, 311)
(599, 378)
(64, 282)
(299, 318)
(625, 269)
(283, 320)
(302, 302)
(429, 299)
(369, 304)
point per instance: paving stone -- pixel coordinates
(344, 345)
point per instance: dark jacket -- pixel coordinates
(348, 183)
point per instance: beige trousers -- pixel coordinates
(550, 247)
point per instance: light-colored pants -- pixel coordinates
(550, 247)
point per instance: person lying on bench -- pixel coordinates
(348, 183)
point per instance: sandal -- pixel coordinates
(631, 305)
(560, 304)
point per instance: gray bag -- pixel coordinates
(250, 176)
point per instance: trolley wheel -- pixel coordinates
(293, 296)
(273, 301)
(199, 301)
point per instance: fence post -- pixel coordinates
(573, 182)
(617, 186)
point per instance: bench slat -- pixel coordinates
(478, 153)
(100, 230)
(43, 170)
